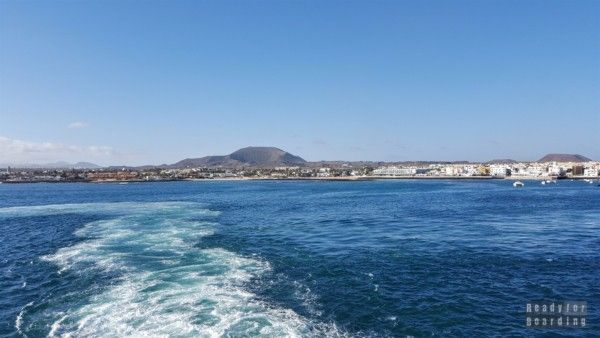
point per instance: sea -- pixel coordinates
(383, 258)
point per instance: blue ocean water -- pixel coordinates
(295, 258)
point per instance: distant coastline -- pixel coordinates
(314, 179)
(270, 163)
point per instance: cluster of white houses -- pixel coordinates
(525, 170)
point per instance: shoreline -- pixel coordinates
(330, 179)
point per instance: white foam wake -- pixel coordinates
(19, 320)
(118, 208)
(166, 286)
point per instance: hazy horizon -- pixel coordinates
(137, 83)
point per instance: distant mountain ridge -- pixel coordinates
(249, 156)
(502, 161)
(564, 158)
(54, 165)
(269, 157)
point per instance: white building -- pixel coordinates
(452, 170)
(470, 170)
(324, 172)
(536, 170)
(555, 170)
(590, 172)
(394, 171)
(499, 170)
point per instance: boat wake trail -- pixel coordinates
(157, 281)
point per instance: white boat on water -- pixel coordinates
(518, 184)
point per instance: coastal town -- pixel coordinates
(313, 170)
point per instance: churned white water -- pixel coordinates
(164, 284)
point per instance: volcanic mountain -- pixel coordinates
(564, 158)
(249, 156)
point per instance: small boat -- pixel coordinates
(518, 184)
(543, 182)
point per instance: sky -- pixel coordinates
(152, 82)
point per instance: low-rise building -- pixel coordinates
(536, 170)
(556, 170)
(394, 171)
(499, 170)
(577, 170)
(590, 172)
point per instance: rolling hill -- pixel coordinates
(564, 158)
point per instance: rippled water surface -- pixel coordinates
(284, 258)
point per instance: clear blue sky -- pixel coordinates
(140, 82)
